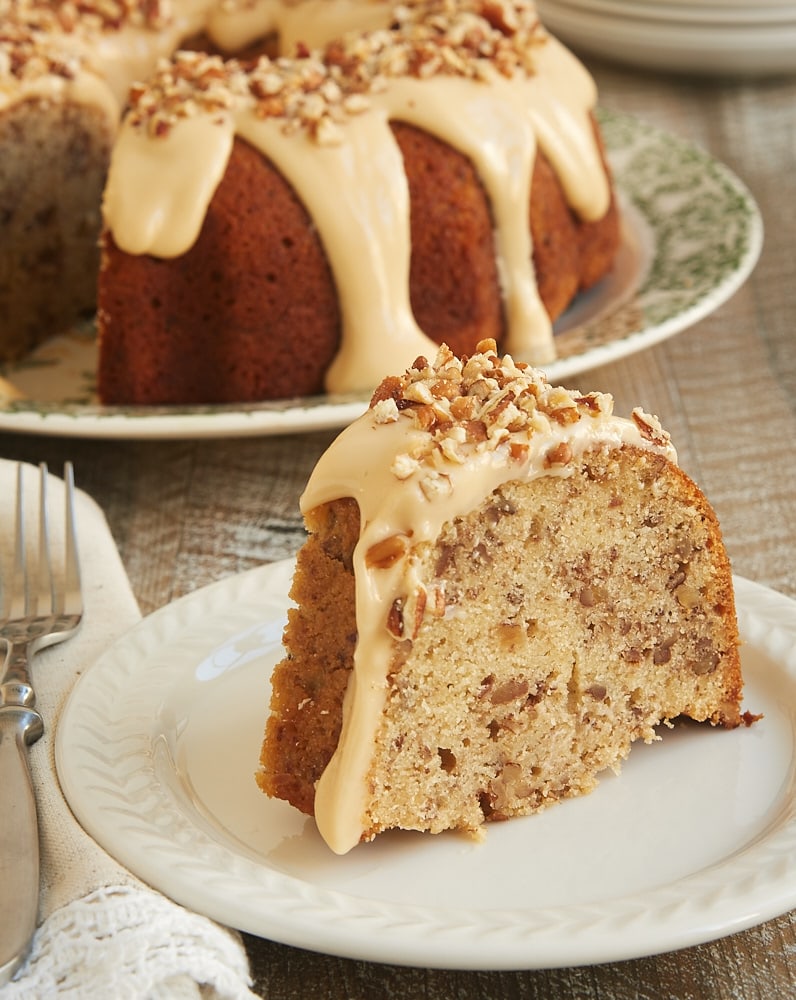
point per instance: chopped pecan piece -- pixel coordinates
(383, 554)
(561, 454)
(650, 428)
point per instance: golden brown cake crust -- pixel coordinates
(453, 282)
(570, 254)
(454, 286)
(307, 698)
(599, 241)
(193, 329)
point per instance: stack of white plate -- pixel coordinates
(708, 37)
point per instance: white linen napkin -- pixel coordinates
(101, 932)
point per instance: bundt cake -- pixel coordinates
(66, 67)
(293, 226)
(503, 587)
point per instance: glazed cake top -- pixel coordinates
(449, 431)
(316, 90)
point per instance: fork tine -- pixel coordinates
(16, 590)
(32, 588)
(40, 600)
(42, 586)
(72, 602)
(8, 566)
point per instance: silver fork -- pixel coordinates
(40, 604)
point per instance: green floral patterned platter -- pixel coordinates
(692, 235)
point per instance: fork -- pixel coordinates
(40, 604)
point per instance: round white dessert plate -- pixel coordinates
(692, 233)
(159, 742)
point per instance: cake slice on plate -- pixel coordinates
(503, 587)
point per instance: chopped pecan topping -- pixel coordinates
(470, 405)
(385, 553)
(42, 38)
(560, 454)
(315, 92)
(650, 428)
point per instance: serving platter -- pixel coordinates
(692, 234)
(158, 744)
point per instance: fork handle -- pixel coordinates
(19, 838)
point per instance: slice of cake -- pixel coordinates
(504, 586)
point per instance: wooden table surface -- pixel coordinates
(185, 513)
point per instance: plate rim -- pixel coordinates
(328, 412)
(310, 916)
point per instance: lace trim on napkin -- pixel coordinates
(131, 942)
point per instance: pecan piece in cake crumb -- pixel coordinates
(395, 618)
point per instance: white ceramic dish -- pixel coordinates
(692, 235)
(703, 46)
(157, 747)
(682, 15)
(783, 8)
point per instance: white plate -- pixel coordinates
(692, 235)
(680, 16)
(784, 7)
(157, 748)
(705, 46)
